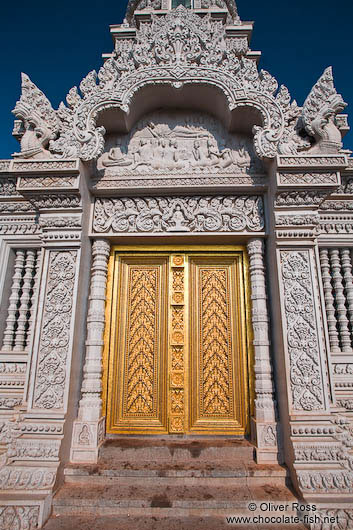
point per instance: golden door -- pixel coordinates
(177, 348)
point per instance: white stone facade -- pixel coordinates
(106, 167)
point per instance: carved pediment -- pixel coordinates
(181, 143)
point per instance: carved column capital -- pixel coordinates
(256, 246)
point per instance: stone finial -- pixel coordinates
(39, 119)
(319, 114)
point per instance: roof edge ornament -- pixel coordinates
(132, 6)
(319, 113)
(38, 122)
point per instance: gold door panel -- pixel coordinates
(137, 383)
(176, 343)
(216, 345)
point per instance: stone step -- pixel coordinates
(215, 496)
(154, 522)
(139, 449)
(157, 483)
(239, 473)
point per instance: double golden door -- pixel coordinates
(177, 348)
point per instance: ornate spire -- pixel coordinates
(156, 5)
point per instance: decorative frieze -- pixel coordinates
(9, 402)
(302, 334)
(44, 182)
(44, 165)
(180, 181)
(297, 220)
(57, 202)
(319, 482)
(300, 198)
(317, 453)
(60, 222)
(345, 403)
(336, 224)
(179, 214)
(56, 331)
(26, 478)
(20, 517)
(27, 449)
(312, 178)
(304, 160)
(343, 368)
(16, 207)
(335, 205)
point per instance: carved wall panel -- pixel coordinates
(179, 214)
(302, 331)
(51, 374)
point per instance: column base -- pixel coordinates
(264, 436)
(87, 438)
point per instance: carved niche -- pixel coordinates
(179, 142)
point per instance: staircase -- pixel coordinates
(171, 484)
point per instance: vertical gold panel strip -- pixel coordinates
(177, 336)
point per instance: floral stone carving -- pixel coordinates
(55, 331)
(302, 333)
(179, 214)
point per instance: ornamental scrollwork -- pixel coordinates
(56, 329)
(302, 333)
(179, 214)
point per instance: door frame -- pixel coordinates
(110, 327)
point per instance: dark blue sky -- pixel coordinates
(58, 43)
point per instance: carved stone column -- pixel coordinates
(264, 427)
(88, 432)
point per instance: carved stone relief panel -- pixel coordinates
(181, 143)
(56, 331)
(179, 214)
(302, 333)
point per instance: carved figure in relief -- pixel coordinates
(177, 141)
